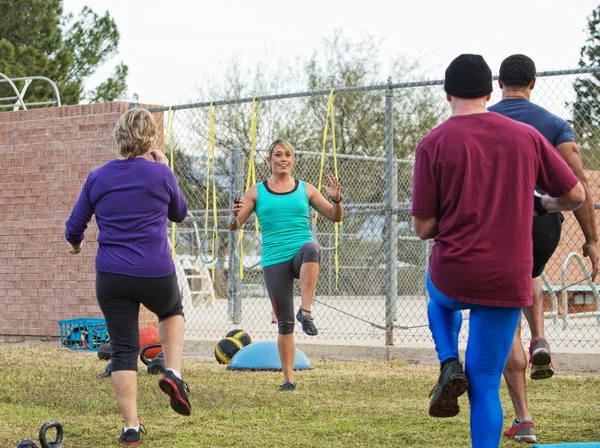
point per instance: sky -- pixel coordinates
(174, 47)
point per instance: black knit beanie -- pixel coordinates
(468, 76)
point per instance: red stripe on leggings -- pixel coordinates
(274, 305)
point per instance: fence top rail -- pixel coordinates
(390, 85)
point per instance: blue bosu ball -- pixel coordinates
(263, 355)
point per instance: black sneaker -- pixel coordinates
(451, 385)
(288, 386)
(178, 390)
(131, 437)
(308, 326)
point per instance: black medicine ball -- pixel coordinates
(241, 336)
(226, 348)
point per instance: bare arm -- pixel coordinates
(585, 215)
(80, 217)
(567, 202)
(425, 228)
(243, 209)
(332, 211)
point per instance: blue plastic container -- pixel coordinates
(83, 334)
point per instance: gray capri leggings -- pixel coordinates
(279, 279)
(119, 297)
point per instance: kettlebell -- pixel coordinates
(59, 434)
(107, 371)
(157, 365)
(104, 351)
(27, 444)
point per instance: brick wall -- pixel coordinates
(572, 240)
(46, 155)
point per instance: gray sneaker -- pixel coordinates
(523, 431)
(308, 325)
(540, 359)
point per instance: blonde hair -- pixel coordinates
(135, 133)
(280, 142)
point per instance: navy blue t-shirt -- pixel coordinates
(555, 129)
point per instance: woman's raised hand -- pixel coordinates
(334, 187)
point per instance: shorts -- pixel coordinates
(546, 236)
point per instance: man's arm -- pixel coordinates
(425, 228)
(585, 215)
(424, 196)
(569, 201)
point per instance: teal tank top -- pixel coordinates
(284, 222)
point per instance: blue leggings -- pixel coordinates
(491, 332)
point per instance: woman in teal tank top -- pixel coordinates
(282, 206)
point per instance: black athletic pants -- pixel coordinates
(546, 236)
(119, 297)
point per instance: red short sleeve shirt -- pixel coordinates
(476, 174)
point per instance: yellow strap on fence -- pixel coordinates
(325, 132)
(251, 176)
(330, 117)
(335, 171)
(210, 170)
(169, 133)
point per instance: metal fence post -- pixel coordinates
(234, 301)
(391, 218)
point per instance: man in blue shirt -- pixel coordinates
(517, 80)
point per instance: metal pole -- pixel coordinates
(427, 246)
(331, 273)
(234, 302)
(391, 234)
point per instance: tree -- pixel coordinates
(586, 107)
(36, 39)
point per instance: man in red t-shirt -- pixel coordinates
(473, 179)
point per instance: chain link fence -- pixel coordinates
(375, 293)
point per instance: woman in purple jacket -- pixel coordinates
(132, 197)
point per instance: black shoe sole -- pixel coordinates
(446, 404)
(542, 372)
(541, 358)
(178, 403)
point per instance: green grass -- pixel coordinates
(337, 405)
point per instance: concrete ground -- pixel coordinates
(354, 329)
